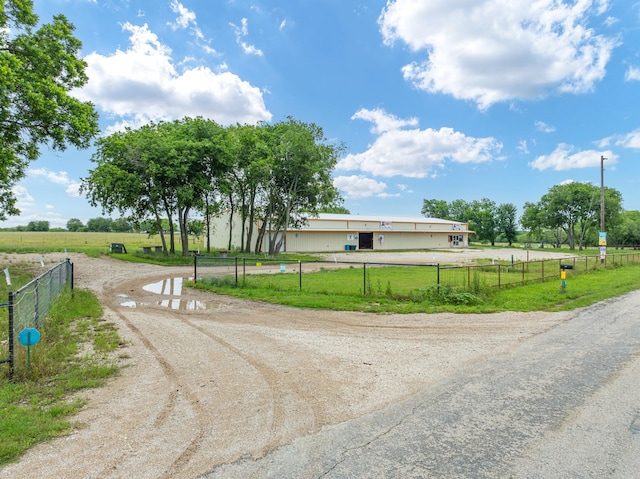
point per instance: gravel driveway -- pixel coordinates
(210, 380)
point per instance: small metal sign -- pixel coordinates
(29, 336)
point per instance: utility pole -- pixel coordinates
(602, 158)
(602, 237)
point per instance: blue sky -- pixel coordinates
(444, 99)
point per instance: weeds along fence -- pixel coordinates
(28, 307)
(501, 274)
(389, 279)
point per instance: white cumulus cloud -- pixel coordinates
(412, 152)
(358, 186)
(22, 194)
(491, 51)
(185, 18)
(564, 157)
(630, 140)
(241, 32)
(57, 177)
(544, 127)
(383, 121)
(632, 74)
(141, 84)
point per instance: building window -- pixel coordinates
(456, 240)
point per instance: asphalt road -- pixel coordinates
(565, 404)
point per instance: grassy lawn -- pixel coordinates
(36, 406)
(413, 290)
(92, 244)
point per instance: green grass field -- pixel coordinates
(93, 244)
(38, 404)
(398, 289)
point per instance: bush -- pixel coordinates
(439, 294)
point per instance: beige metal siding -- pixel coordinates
(220, 232)
(321, 224)
(313, 241)
(308, 241)
(334, 233)
(397, 240)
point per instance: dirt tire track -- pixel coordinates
(275, 382)
(174, 469)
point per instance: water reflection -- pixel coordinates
(168, 287)
(184, 304)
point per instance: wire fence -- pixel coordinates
(503, 274)
(392, 278)
(29, 306)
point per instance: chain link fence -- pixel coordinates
(28, 308)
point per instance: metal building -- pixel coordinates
(339, 232)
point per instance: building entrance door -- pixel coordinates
(365, 240)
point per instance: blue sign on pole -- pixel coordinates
(29, 336)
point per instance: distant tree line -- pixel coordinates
(107, 225)
(568, 213)
(274, 175)
(489, 220)
(102, 225)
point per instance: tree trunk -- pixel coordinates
(231, 213)
(183, 220)
(160, 231)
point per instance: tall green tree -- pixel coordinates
(161, 171)
(39, 66)
(74, 224)
(507, 221)
(575, 209)
(627, 233)
(246, 179)
(121, 225)
(435, 209)
(460, 210)
(299, 182)
(101, 224)
(483, 220)
(40, 225)
(337, 209)
(487, 219)
(123, 181)
(533, 221)
(196, 156)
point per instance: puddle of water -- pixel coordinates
(133, 304)
(184, 304)
(168, 287)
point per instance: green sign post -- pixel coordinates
(29, 337)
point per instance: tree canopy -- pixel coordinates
(627, 232)
(488, 220)
(273, 173)
(39, 68)
(572, 208)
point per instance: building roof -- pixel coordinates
(385, 218)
